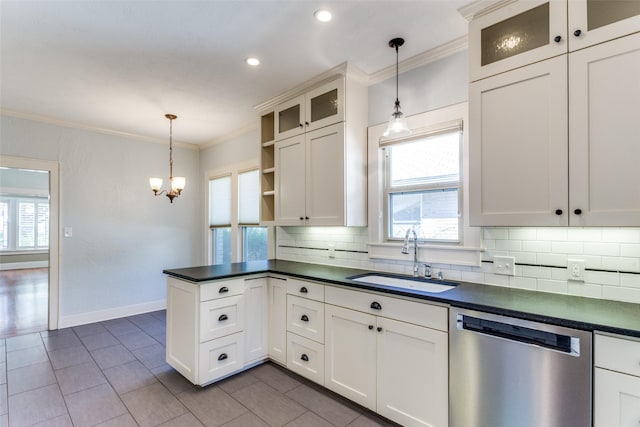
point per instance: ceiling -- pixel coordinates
(121, 65)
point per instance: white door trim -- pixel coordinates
(54, 223)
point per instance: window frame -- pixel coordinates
(388, 190)
(468, 251)
(13, 227)
(237, 228)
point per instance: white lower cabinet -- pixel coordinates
(394, 367)
(221, 357)
(256, 334)
(277, 307)
(616, 382)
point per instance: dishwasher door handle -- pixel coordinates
(520, 334)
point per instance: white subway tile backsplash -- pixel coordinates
(554, 286)
(567, 247)
(621, 264)
(621, 294)
(600, 248)
(541, 255)
(536, 246)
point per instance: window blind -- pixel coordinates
(220, 202)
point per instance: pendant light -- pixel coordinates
(176, 182)
(397, 124)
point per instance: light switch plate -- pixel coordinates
(68, 232)
(505, 265)
(575, 269)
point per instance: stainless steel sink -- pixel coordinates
(405, 282)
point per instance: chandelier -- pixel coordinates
(176, 182)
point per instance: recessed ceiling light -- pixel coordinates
(254, 62)
(322, 15)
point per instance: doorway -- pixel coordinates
(28, 246)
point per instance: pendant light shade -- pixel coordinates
(397, 123)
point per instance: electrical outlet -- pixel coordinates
(575, 268)
(332, 251)
(505, 265)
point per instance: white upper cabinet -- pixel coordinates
(319, 161)
(317, 108)
(527, 31)
(553, 139)
(596, 21)
(604, 134)
(518, 147)
(518, 34)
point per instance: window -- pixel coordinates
(24, 223)
(422, 180)
(234, 218)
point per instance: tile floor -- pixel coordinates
(113, 374)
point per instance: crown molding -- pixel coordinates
(346, 69)
(80, 126)
(482, 7)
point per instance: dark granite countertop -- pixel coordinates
(564, 310)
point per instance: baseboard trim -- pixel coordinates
(23, 265)
(110, 313)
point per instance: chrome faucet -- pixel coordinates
(405, 249)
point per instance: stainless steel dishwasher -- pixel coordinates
(507, 372)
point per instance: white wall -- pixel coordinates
(123, 237)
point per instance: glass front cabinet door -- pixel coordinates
(317, 108)
(519, 34)
(596, 21)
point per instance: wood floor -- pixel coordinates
(24, 301)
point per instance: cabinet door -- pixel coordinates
(305, 357)
(325, 105)
(518, 147)
(413, 375)
(350, 348)
(325, 194)
(278, 320)
(290, 181)
(519, 34)
(616, 399)
(604, 101)
(289, 118)
(257, 317)
(596, 21)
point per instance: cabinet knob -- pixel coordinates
(300, 125)
(558, 211)
(306, 123)
(222, 318)
(306, 217)
(223, 356)
(557, 39)
(301, 218)
(376, 305)
(577, 33)
(304, 357)
(578, 211)
(370, 327)
(304, 318)
(304, 290)
(379, 328)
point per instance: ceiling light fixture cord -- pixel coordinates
(397, 123)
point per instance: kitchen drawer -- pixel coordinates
(616, 399)
(302, 288)
(305, 357)
(617, 354)
(221, 289)
(305, 317)
(220, 317)
(427, 315)
(221, 357)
